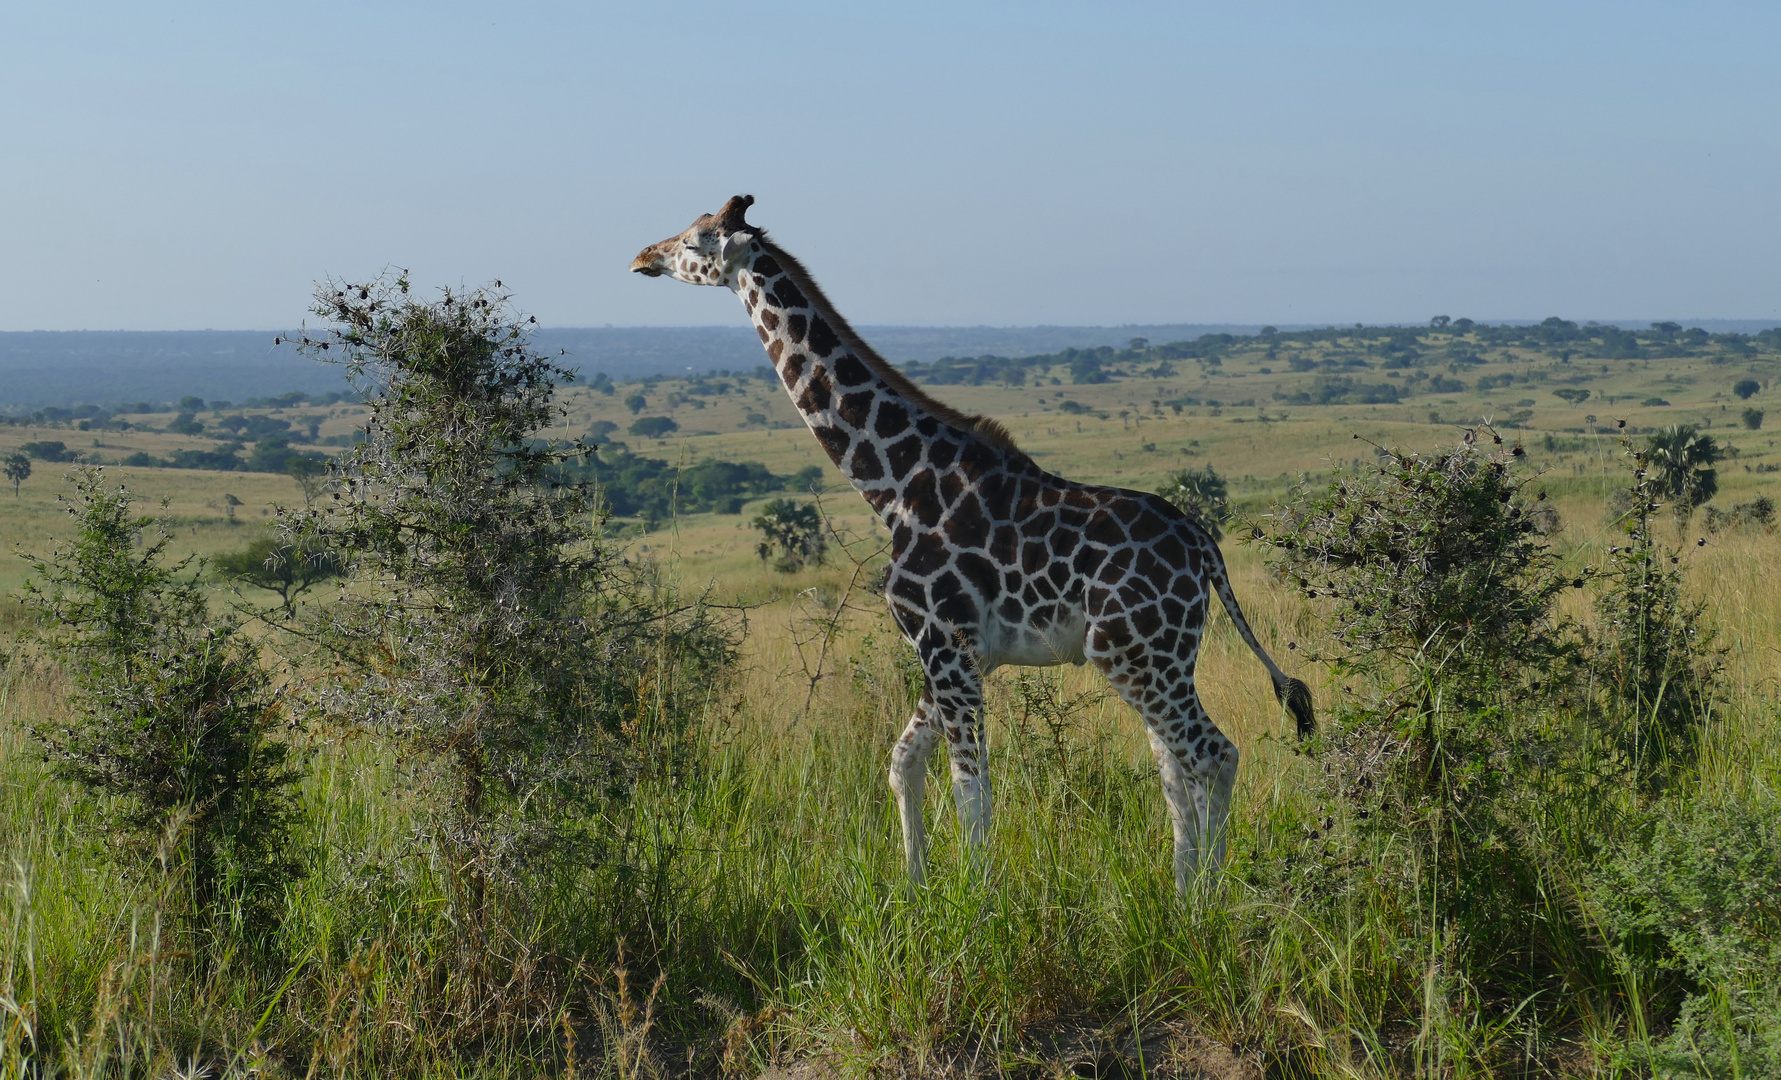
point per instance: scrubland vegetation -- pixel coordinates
(539, 794)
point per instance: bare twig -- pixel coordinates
(832, 620)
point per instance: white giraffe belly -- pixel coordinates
(1064, 641)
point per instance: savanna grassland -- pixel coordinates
(747, 910)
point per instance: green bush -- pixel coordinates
(1690, 908)
(274, 454)
(653, 427)
(1201, 494)
(1435, 567)
(185, 424)
(172, 711)
(632, 485)
(49, 450)
(1758, 513)
(1438, 584)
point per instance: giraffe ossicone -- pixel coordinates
(994, 560)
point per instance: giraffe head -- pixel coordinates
(709, 252)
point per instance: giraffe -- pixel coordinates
(994, 560)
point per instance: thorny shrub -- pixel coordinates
(1439, 585)
(1477, 729)
(1652, 654)
(1435, 569)
(486, 625)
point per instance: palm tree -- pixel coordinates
(794, 531)
(1682, 460)
(18, 470)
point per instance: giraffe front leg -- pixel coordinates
(908, 781)
(956, 689)
(970, 781)
(951, 705)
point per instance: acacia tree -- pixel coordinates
(490, 627)
(310, 473)
(280, 566)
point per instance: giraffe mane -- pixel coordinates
(987, 428)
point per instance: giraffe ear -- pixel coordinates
(735, 245)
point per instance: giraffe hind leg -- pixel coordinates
(1198, 779)
(1185, 800)
(1195, 762)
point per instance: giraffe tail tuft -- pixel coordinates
(1293, 694)
(1296, 696)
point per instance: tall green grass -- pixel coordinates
(751, 909)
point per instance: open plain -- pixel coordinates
(750, 913)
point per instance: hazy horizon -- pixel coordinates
(62, 367)
(1718, 324)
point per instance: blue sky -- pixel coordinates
(189, 166)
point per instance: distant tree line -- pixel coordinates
(1084, 366)
(105, 417)
(655, 490)
(1342, 390)
(273, 454)
(1454, 342)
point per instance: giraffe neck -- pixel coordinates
(871, 421)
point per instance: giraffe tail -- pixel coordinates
(1291, 693)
